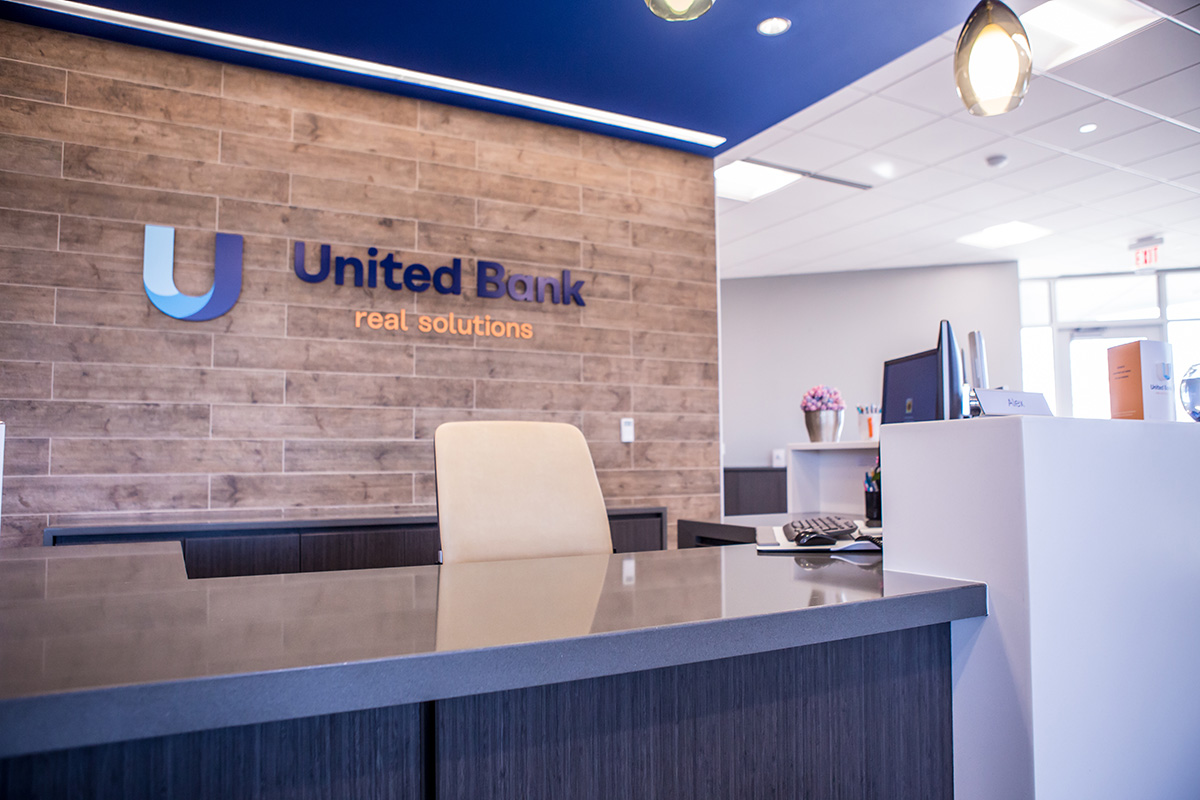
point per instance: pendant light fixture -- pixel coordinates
(679, 10)
(992, 62)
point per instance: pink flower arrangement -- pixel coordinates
(822, 398)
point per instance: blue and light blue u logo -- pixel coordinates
(158, 276)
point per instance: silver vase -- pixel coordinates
(824, 426)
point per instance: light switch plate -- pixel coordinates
(626, 429)
(778, 457)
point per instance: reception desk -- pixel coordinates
(710, 672)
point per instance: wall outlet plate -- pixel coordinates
(626, 429)
(778, 457)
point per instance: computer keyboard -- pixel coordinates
(819, 530)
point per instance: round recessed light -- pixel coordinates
(774, 26)
(1088, 128)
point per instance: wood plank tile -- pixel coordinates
(172, 105)
(282, 286)
(299, 489)
(642, 209)
(481, 126)
(552, 396)
(26, 304)
(22, 530)
(26, 456)
(567, 338)
(176, 174)
(680, 346)
(30, 156)
(428, 419)
(81, 126)
(629, 261)
(611, 455)
(299, 158)
(386, 140)
(53, 48)
(25, 379)
(72, 270)
(674, 240)
(640, 482)
(513, 218)
(688, 294)
(126, 239)
(311, 322)
(626, 153)
(335, 389)
(653, 372)
(287, 91)
(425, 490)
(28, 229)
(545, 166)
(84, 198)
(37, 418)
(671, 187)
(323, 226)
(384, 201)
(155, 384)
(646, 317)
(358, 456)
(296, 422)
(415, 509)
(504, 309)
(177, 517)
(54, 493)
(32, 82)
(124, 310)
(300, 355)
(497, 246)
(464, 182)
(674, 400)
(456, 362)
(149, 456)
(655, 427)
(82, 345)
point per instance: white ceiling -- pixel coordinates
(903, 131)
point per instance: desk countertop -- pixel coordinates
(103, 643)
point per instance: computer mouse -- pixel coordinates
(815, 539)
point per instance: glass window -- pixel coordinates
(1035, 302)
(1107, 298)
(1037, 363)
(1185, 351)
(1183, 295)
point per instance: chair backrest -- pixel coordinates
(508, 490)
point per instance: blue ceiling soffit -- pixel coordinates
(714, 75)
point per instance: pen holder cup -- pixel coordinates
(868, 426)
(874, 508)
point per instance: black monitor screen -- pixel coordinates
(910, 387)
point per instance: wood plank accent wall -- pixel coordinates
(282, 408)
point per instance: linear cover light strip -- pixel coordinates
(372, 68)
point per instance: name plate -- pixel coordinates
(999, 403)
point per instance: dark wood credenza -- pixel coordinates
(269, 547)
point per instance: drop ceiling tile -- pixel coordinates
(979, 198)
(1020, 154)
(1174, 214)
(1110, 183)
(1029, 207)
(1122, 231)
(1046, 99)
(1073, 219)
(912, 61)
(1190, 118)
(1112, 119)
(807, 152)
(1154, 140)
(1191, 17)
(752, 146)
(1051, 174)
(1155, 51)
(873, 169)
(931, 89)
(779, 207)
(939, 142)
(929, 182)
(1172, 165)
(823, 108)
(1170, 6)
(1192, 180)
(1148, 199)
(871, 121)
(1175, 94)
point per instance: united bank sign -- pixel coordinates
(491, 280)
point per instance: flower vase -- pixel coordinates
(824, 426)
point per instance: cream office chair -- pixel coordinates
(508, 490)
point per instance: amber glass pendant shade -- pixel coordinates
(679, 10)
(992, 60)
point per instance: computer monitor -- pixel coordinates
(925, 386)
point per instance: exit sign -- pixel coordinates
(1146, 257)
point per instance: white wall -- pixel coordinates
(780, 336)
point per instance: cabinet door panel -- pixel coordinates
(224, 556)
(392, 547)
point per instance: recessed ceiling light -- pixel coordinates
(1009, 233)
(1088, 128)
(774, 26)
(358, 66)
(1063, 30)
(744, 181)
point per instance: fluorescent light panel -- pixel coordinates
(1064, 30)
(746, 181)
(1005, 235)
(345, 64)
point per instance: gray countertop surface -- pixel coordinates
(104, 643)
